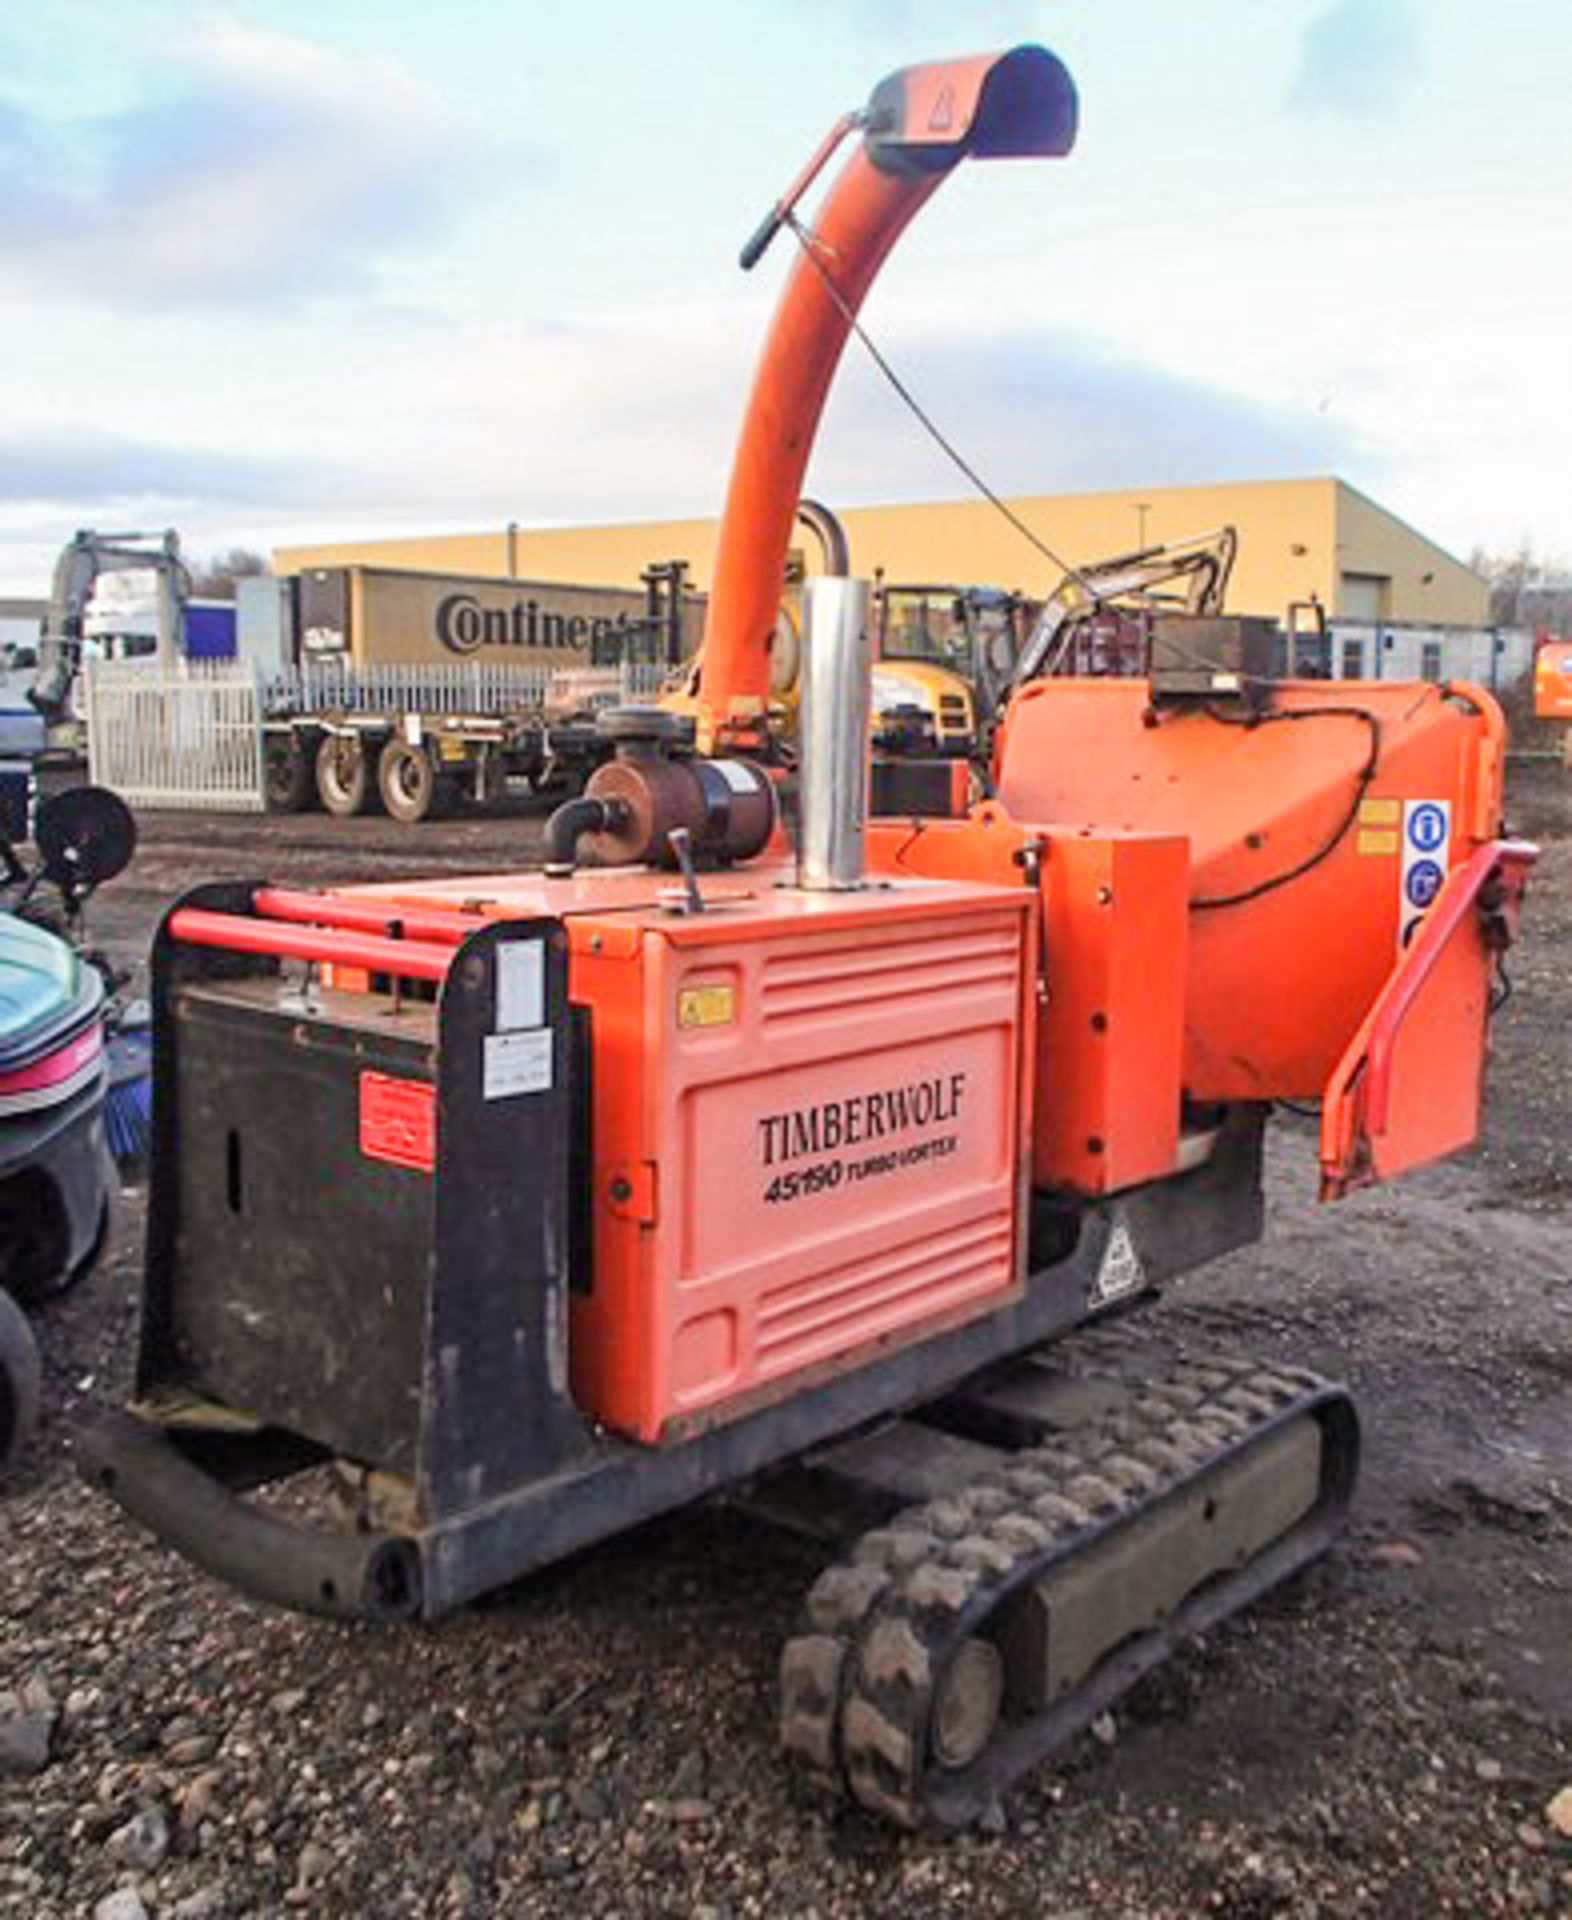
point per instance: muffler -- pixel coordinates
(837, 659)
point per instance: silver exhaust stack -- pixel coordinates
(837, 663)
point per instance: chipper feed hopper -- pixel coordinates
(542, 1202)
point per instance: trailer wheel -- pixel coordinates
(288, 785)
(344, 783)
(411, 787)
(20, 1380)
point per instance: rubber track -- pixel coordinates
(857, 1683)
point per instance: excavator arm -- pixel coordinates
(1200, 567)
(85, 557)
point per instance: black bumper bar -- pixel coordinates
(371, 1576)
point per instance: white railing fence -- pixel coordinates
(456, 687)
(182, 736)
(190, 735)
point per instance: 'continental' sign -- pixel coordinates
(387, 617)
(465, 625)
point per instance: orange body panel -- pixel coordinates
(1436, 1089)
(811, 1124)
(1179, 960)
(1277, 983)
(1553, 680)
(1111, 1034)
(1112, 977)
(1409, 1087)
(1274, 989)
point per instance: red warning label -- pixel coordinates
(398, 1121)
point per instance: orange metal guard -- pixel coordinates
(1409, 1086)
(918, 125)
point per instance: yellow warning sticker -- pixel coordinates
(1378, 840)
(1380, 813)
(711, 1006)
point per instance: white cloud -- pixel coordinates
(636, 416)
(272, 168)
(63, 470)
(1359, 58)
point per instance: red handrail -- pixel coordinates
(407, 959)
(367, 916)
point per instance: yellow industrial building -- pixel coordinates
(1298, 540)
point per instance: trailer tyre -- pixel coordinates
(411, 787)
(344, 782)
(288, 783)
(20, 1381)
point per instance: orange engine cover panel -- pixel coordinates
(809, 1138)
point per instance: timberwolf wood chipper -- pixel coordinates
(543, 1202)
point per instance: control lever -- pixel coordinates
(678, 841)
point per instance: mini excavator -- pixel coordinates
(837, 1175)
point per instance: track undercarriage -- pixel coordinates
(1087, 1511)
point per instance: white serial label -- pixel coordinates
(517, 1063)
(739, 778)
(1120, 1271)
(521, 985)
(1427, 838)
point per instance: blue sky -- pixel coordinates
(275, 271)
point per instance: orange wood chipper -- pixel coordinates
(830, 1176)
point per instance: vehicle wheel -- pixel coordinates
(412, 789)
(20, 1381)
(287, 782)
(344, 783)
(34, 1239)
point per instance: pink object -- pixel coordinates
(56, 1076)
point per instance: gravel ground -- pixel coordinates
(1385, 1737)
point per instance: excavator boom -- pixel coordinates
(1201, 566)
(84, 559)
